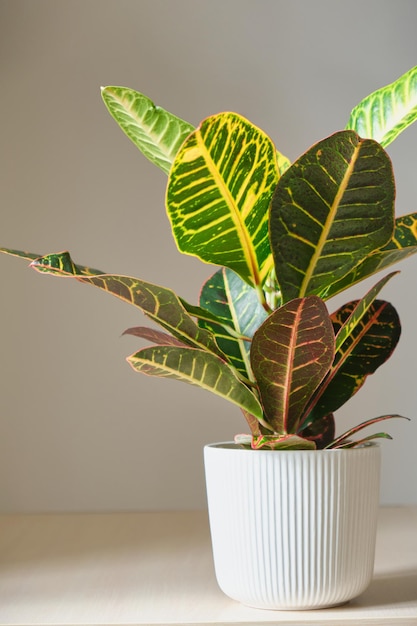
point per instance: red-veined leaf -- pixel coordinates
(291, 353)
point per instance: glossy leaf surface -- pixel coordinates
(402, 245)
(157, 133)
(236, 305)
(347, 330)
(199, 368)
(158, 303)
(219, 190)
(385, 113)
(291, 353)
(369, 344)
(333, 207)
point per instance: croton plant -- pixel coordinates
(286, 238)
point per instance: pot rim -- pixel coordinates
(236, 447)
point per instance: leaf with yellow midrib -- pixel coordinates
(219, 191)
(331, 209)
(386, 112)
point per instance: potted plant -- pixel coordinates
(292, 504)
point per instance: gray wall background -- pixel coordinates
(79, 430)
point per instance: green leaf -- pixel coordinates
(405, 233)
(59, 264)
(219, 190)
(372, 338)
(291, 353)
(366, 347)
(402, 245)
(157, 133)
(158, 303)
(385, 113)
(29, 256)
(359, 311)
(283, 162)
(352, 322)
(331, 209)
(204, 315)
(235, 304)
(196, 367)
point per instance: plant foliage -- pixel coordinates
(286, 238)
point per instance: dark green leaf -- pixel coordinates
(29, 256)
(348, 335)
(366, 348)
(331, 209)
(402, 245)
(362, 306)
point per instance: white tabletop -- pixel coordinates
(156, 568)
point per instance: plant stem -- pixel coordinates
(262, 299)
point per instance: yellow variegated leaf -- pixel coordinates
(157, 133)
(219, 191)
(283, 162)
(197, 367)
(385, 113)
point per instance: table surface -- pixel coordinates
(156, 568)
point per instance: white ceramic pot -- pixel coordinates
(292, 529)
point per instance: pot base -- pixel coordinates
(291, 608)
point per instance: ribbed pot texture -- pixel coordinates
(292, 529)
